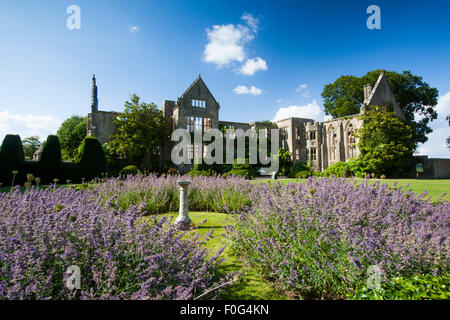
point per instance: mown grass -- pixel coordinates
(434, 187)
(250, 285)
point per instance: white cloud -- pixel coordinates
(309, 111)
(301, 87)
(226, 45)
(253, 65)
(436, 146)
(134, 29)
(251, 21)
(244, 90)
(27, 125)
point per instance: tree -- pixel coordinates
(285, 158)
(71, 133)
(30, 145)
(386, 142)
(345, 96)
(141, 129)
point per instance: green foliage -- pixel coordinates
(303, 174)
(51, 153)
(71, 133)
(345, 96)
(114, 161)
(205, 173)
(386, 142)
(91, 158)
(246, 173)
(418, 287)
(11, 158)
(11, 154)
(351, 168)
(245, 169)
(141, 129)
(30, 146)
(285, 159)
(133, 170)
(296, 168)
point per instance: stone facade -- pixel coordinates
(320, 144)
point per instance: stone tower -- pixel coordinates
(94, 99)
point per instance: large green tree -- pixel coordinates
(71, 133)
(30, 145)
(385, 143)
(141, 129)
(345, 96)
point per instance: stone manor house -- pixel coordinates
(319, 144)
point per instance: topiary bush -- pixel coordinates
(133, 170)
(50, 160)
(91, 158)
(11, 158)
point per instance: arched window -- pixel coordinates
(332, 142)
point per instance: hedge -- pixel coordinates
(50, 166)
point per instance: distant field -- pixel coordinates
(434, 187)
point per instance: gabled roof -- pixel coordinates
(382, 94)
(198, 81)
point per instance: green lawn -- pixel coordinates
(250, 285)
(435, 187)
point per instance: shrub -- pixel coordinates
(206, 173)
(338, 169)
(172, 171)
(11, 158)
(246, 173)
(417, 287)
(245, 169)
(133, 170)
(50, 160)
(51, 153)
(91, 158)
(298, 167)
(303, 174)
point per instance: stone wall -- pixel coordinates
(432, 167)
(101, 125)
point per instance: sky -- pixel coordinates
(262, 60)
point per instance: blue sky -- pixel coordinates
(260, 59)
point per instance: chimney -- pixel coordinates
(367, 91)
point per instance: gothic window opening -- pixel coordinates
(298, 133)
(312, 136)
(190, 124)
(206, 124)
(313, 154)
(297, 154)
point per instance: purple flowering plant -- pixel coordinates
(120, 255)
(318, 238)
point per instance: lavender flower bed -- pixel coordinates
(43, 232)
(318, 238)
(161, 194)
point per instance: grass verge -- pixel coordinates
(250, 286)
